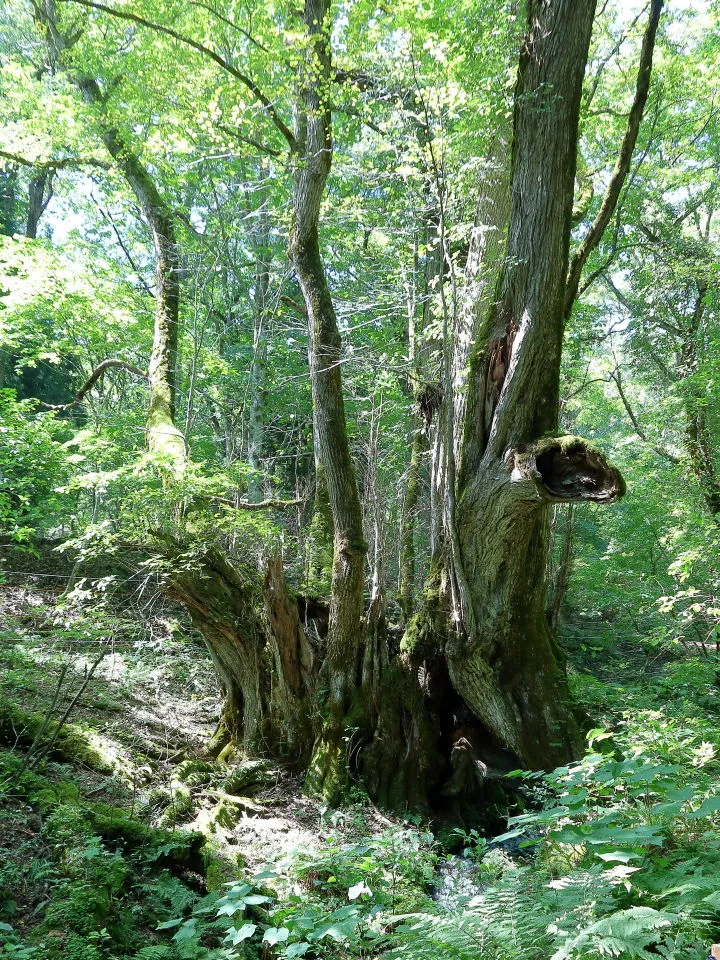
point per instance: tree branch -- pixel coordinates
(93, 379)
(270, 151)
(60, 163)
(230, 23)
(660, 451)
(625, 302)
(604, 62)
(207, 52)
(294, 305)
(622, 166)
(271, 504)
(106, 215)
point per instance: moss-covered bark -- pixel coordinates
(494, 544)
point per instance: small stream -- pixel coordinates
(461, 877)
(458, 880)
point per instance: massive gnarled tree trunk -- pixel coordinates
(501, 660)
(489, 571)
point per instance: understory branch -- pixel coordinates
(622, 166)
(207, 52)
(97, 373)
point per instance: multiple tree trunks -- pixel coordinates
(478, 673)
(485, 615)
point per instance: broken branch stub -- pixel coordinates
(567, 470)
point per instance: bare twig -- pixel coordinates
(616, 377)
(41, 729)
(68, 711)
(56, 163)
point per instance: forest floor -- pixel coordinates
(119, 840)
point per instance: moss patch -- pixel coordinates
(19, 729)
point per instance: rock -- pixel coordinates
(249, 776)
(195, 773)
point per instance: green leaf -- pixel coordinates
(243, 933)
(231, 907)
(187, 931)
(297, 949)
(619, 856)
(275, 935)
(711, 805)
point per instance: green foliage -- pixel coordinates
(32, 465)
(104, 875)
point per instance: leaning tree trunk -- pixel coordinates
(163, 436)
(312, 166)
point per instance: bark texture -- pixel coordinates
(312, 166)
(222, 608)
(500, 653)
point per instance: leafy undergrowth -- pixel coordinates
(121, 844)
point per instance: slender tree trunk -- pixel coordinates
(8, 200)
(312, 168)
(698, 441)
(258, 372)
(163, 436)
(40, 194)
(410, 505)
(312, 165)
(560, 578)
(421, 417)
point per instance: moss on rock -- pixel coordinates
(195, 773)
(18, 728)
(249, 776)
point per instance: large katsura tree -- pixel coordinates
(479, 674)
(485, 612)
